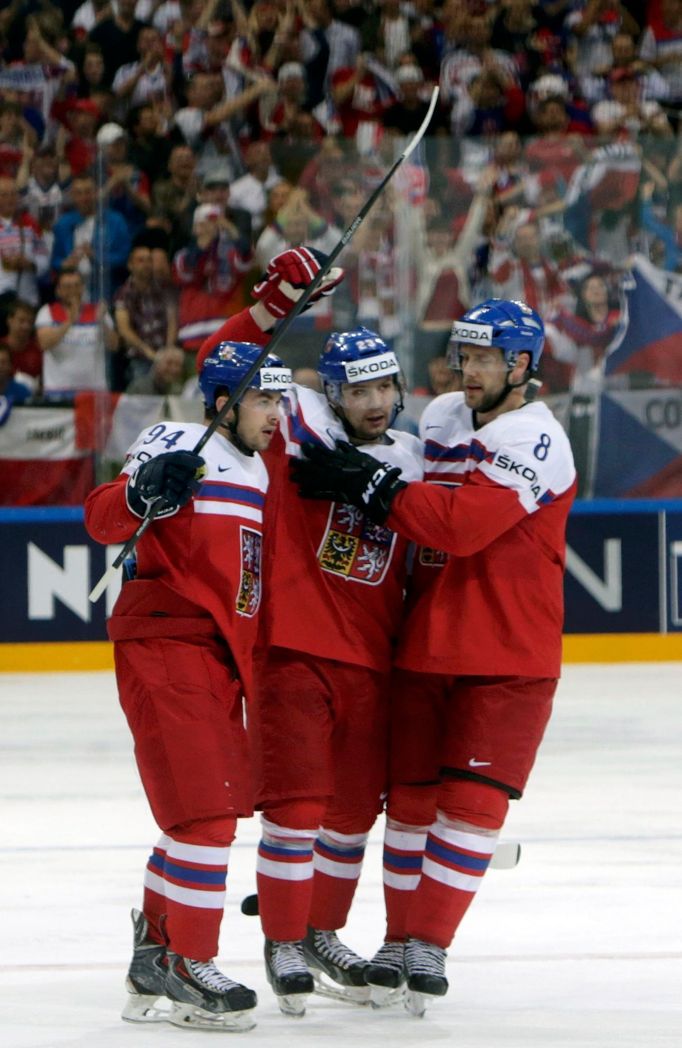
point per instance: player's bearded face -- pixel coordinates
(484, 376)
(368, 407)
(258, 418)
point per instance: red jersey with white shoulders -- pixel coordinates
(496, 505)
(208, 553)
(334, 580)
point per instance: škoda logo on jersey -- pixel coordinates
(354, 547)
(477, 334)
(248, 594)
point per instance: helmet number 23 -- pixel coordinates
(541, 449)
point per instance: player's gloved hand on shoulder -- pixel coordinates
(289, 274)
(346, 474)
(173, 477)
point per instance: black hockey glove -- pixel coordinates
(347, 475)
(173, 477)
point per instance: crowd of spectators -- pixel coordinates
(154, 155)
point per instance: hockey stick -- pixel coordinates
(505, 857)
(159, 504)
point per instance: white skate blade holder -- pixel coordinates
(193, 1018)
(324, 987)
(141, 1008)
(292, 1004)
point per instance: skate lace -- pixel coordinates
(209, 976)
(287, 958)
(423, 958)
(390, 955)
(329, 946)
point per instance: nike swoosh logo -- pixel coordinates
(479, 764)
(223, 469)
(434, 427)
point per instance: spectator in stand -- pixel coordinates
(176, 196)
(20, 340)
(591, 27)
(210, 273)
(15, 137)
(661, 45)
(555, 147)
(406, 114)
(100, 256)
(580, 339)
(327, 45)
(296, 223)
(387, 32)
(148, 78)
(117, 37)
(74, 336)
(624, 61)
(519, 269)
(278, 115)
(145, 313)
(361, 94)
(442, 261)
(440, 378)
(166, 376)
(215, 189)
(473, 57)
(250, 191)
(514, 29)
(13, 390)
(205, 122)
(148, 147)
(50, 72)
(23, 252)
(80, 148)
(41, 181)
(488, 104)
(126, 189)
(92, 80)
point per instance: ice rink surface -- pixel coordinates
(580, 945)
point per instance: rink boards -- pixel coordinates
(623, 586)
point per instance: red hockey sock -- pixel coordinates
(337, 862)
(284, 875)
(194, 875)
(154, 898)
(403, 854)
(453, 867)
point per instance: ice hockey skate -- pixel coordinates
(385, 975)
(330, 959)
(425, 972)
(288, 974)
(205, 999)
(146, 979)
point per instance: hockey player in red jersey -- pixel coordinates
(319, 721)
(480, 649)
(183, 630)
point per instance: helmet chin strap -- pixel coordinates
(508, 388)
(231, 425)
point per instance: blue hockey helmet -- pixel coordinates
(229, 362)
(356, 356)
(506, 324)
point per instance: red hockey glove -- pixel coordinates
(288, 275)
